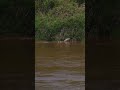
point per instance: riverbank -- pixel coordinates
(60, 42)
(66, 19)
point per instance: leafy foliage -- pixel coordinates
(59, 19)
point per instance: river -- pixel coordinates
(59, 66)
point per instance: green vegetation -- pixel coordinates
(59, 19)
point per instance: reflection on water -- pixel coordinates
(59, 66)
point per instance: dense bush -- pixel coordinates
(59, 19)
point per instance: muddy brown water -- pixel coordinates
(59, 66)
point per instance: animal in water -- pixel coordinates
(67, 40)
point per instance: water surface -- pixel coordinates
(59, 66)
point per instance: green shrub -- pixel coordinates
(64, 20)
